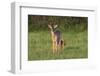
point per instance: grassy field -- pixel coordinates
(40, 46)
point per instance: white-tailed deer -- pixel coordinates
(57, 41)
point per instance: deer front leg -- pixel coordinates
(56, 47)
(53, 47)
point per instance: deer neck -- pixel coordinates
(52, 36)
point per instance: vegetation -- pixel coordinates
(73, 29)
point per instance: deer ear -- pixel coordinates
(49, 26)
(55, 26)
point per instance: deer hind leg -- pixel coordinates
(58, 48)
(62, 44)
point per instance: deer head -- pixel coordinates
(52, 27)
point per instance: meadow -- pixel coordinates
(40, 46)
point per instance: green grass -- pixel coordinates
(40, 46)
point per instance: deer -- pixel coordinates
(57, 40)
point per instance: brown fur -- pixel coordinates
(56, 47)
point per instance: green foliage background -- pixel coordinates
(73, 29)
(65, 23)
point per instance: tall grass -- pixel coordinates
(40, 45)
